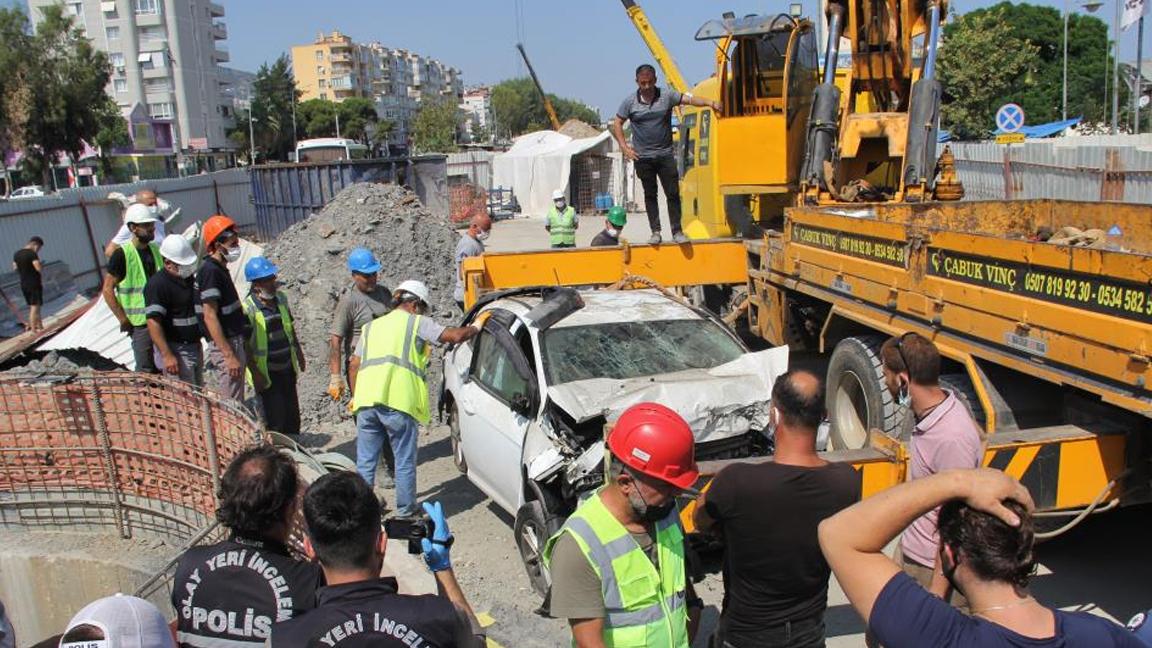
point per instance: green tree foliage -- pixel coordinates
(1014, 52)
(273, 95)
(15, 42)
(518, 108)
(64, 80)
(317, 118)
(435, 127)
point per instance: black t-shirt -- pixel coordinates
(117, 265)
(215, 285)
(768, 513)
(603, 240)
(29, 275)
(238, 589)
(371, 614)
(174, 302)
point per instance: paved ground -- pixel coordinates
(1101, 567)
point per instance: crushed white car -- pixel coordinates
(528, 399)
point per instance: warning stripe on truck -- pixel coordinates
(1037, 467)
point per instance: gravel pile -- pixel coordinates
(69, 361)
(410, 244)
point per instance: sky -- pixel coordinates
(582, 49)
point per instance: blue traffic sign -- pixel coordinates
(1010, 118)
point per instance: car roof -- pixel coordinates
(607, 307)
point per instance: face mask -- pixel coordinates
(903, 398)
(560, 204)
(232, 255)
(266, 295)
(483, 235)
(186, 271)
(645, 511)
(154, 209)
(613, 232)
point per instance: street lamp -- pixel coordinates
(251, 138)
(1091, 6)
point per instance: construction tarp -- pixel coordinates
(98, 330)
(539, 163)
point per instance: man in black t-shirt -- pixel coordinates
(129, 268)
(775, 578)
(26, 262)
(233, 592)
(222, 315)
(171, 305)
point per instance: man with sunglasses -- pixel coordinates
(389, 389)
(944, 437)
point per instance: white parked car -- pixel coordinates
(30, 191)
(528, 399)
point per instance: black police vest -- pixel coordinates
(372, 614)
(235, 591)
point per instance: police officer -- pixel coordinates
(628, 533)
(389, 392)
(562, 222)
(613, 226)
(223, 318)
(129, 268)
(171, 306)
(276, 359)
(231, 593)
(360, 607)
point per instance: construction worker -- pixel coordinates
(562, 222)
(389, 392)
(470, 245)
(617, 564)
(275, 358)
(613, 225)
(171, 306)
(129, 268)
(649, 111)
(363, 302)
(222, 315)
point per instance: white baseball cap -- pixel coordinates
(416, 288)
(126, 622)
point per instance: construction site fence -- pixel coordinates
(1117, 168)
(285, 194)
(77, 223)
(115, 452)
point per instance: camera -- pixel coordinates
(412, 529)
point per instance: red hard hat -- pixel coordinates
(656, 441)
(214, 226)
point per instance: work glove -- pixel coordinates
(436, 549)
(336, 386)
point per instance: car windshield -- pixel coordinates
(634, 349)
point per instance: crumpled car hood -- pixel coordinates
(718, 403)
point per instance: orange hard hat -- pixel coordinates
(654, 440)
(214, 226)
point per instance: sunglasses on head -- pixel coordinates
(900, 351)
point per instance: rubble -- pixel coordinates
(410, 244)
(66, 362)
(577, 129)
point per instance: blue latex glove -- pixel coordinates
(436, 549)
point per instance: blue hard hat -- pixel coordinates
(363, 261)
(259, 268)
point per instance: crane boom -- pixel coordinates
(659, 51)
(539, 88)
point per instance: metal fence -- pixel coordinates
(76, 224)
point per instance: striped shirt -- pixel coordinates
(173, 301)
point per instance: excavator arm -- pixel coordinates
(659, 51)
(539, 88)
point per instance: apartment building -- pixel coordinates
(165, 57)
(477, 107)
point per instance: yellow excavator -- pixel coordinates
(792, 134)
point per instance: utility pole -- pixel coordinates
(1138, 85)
(1116, 70)
(1064, 101)
(337, 121)
(251, 138)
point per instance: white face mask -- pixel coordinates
(483, 235)
(232, 255)
(185, 271)
(560, 204)
(266, 295)
(613, 232)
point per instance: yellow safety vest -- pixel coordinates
(130, 290)
(393, 369)
(562, 226)
(644, 604)
(259, 336)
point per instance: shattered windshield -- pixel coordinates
(633, 349)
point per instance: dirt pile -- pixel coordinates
(577, 129)
(410, 244)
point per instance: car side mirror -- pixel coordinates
(522, 405)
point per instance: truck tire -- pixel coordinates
(965, 391)
(857, 398)
(454, 434)
(533, 527)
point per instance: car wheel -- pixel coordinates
(857, 399)
(533, 527)
(457, 447)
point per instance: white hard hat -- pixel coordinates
(139, 215)
(176, 249)
(416, 288)
(558, 195)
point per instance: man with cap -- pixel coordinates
(613, 225)
(562, 222)
(275, 359)
(222, 315)
(628, 533)
(118, 621)
(129, 268)
(363, 302)
(171, 305)
(158, 206)
(470, 245)
(389, 392)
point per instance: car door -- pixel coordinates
(497, 402)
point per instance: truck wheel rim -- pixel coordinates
(530, 541)
(850, 416)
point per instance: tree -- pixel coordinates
(434, 129)
(274, 95)
(356, 113)
(316, 118)
(1015, 52)
(15, 42)
(518, 108)
(480, 133)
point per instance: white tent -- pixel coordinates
(539, 163)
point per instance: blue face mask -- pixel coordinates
(903, 398)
